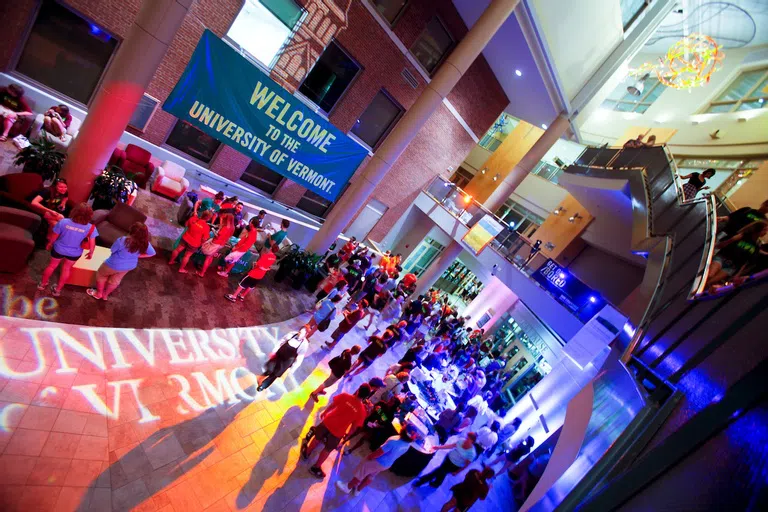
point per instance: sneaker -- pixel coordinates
(93, 292)
(343, 487)
(230, 297)
(55, 291)
(41, 287)
(317, 472)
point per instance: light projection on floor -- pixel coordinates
(203, 369)
(19, 306)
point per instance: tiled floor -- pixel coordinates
(95, 419)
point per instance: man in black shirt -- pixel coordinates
(339, 366)
(732, 224)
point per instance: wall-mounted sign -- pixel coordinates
(582, 300)
(230, 99)
(482, 233)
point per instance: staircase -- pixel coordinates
(703, 361)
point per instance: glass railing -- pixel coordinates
(510, 244)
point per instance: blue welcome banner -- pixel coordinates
(230, 99)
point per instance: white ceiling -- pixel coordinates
(733, 24)
(506, 52)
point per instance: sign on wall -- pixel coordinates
(582, 300)
(482, 233)
(230, 99)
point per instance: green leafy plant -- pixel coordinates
(111, 186)
(41, 157)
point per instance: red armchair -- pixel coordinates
(15, 189)
(134, 160)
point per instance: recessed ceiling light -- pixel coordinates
(544, 126)
(518, 72)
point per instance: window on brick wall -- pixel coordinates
(261, 177)
(330, 77)
(314, 204)
(377, 119)
(433, 45)
(66, 52)
(192, 141)
(263, 26)
(390, 10)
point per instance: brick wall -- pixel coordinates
(478, 97)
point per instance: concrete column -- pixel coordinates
(528, 162)
(436, 269)
(137, 59)
(414, 119)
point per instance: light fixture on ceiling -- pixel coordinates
(549, 246)
(496, 178)
(467, 199)
(637, 87)
(559, 210)
(544, 126)
(483, 170)
(518, 72)
(574, 217)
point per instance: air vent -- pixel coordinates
(408, 76)
(144, 112)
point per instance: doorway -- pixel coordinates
(368, 218)
(422, 257)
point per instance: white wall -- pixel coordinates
(579, 36)
(680, 109)
(476, 158)
(539, 195)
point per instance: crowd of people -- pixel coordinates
(437, 341)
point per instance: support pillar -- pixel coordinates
(136, 62)
(431, 98)
(529, 161)
(436, 269)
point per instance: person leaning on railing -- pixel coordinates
(737, 256)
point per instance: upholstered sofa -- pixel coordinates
(114, 223)
(17, 228)
(170, 181)
(16, 189)
(62, 142)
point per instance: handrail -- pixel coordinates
(700, 281)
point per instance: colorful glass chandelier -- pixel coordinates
(688, 63)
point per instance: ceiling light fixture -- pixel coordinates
(544, 126)
(518, 72)
(496, 178)
(483, 170)
(637, 87)
(558, 210)
(573, 217)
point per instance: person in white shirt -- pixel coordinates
(290, 353)
(393, 385)
(462, 454)
(487, 437)
(380, 460)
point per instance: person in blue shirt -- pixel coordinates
(126, 252)
(66, 243)
(325, 311)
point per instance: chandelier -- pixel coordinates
(688, 63)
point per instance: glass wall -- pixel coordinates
(66, 52)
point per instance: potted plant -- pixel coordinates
(288, 263)
(307, 267)
(111, 186)
(41, 157)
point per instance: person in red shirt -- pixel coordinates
(257, 272)
(348, 248)
(408, 283)
(198, 231)
(247, 239)
(345, 414)
(212, 247)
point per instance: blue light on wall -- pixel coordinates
(580, 299)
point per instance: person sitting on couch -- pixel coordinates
(51, 203)
(12, 105)
(56, 120)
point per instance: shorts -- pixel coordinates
(368, 468)
(329, 441)
(338, 334)
(248, 282)
(108, 273)
(59, 256)
(211, 249)
(727, 265)
(234, 256)
(186, 245)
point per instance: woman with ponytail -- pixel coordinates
(126, 252)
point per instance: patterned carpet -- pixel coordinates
(155, 294)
